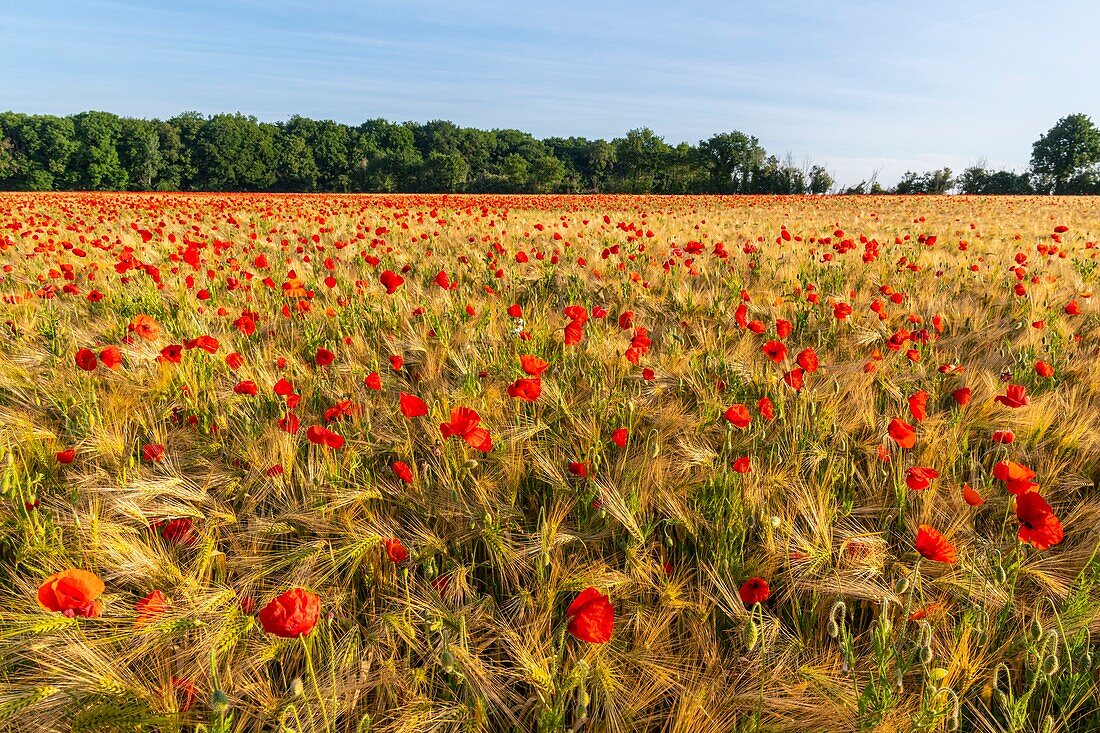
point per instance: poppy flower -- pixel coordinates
(807, 359)
(578, 468)
(533, 365)
(919, 478)
(527, 389)
(234, 360)
(373, 381)
(934, 546)
(172, 353)
(1003, 436)
(403, 471)
(1072, 308)
(283, 387)
(291, 614)
(324, 357)
(179, 531)
(619, 437)
(442, 280)
(754, 590)
(793, 378)
(153, 452)
(591, 617)
(412, 406)
(1015, 396)
(1017, 477)
(209, 344)
(962, 396)
(1043, 369)
(320, 435)
(1038, 524)
(289, 423)
(918, 406)
(151, 606)
(111, 357)
(515, 311)
(766, 408)
(396, 362)
(66, 456)
(464, 424)
(775, 350)
(395, 551)
(246, 388)
(145, 327)
(903, 433)
(73, 593)
(737, 415)
(742, 465)
(972, 497)
(391, 280)
(86, 360)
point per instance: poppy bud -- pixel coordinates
(1050, 665)
(937, 674)
(1036, 630)
(999, 574)
(925, 655)
(296, 687)
(447, 661)
(220, 701)
(901, 585)
(750, 635)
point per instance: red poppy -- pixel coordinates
(775, 350)
(1038, 524)
(1003, 436)
(145, 327)
(283, 387)
(737, 415)
(918, 406)
(962, 395)
(153, 452)
(320, 435)
(66, 456)
(807, 359)
(793, 378)
(934, 546)
(111, 357)
(766, 408)
(527, 389)
(324, 357)
(1015, 396)
(533, 365)
(412, 406)
(919, 478)
(395, 551)
(1044, 370)
(396, 362)
(742, 465)
(391, 280)
(619, 437)
(292, 614)
(150, 607)
(972, 497)
(515, 311)
(86, 360)
(180, 531)
(403, 471)
(1017, 477)
(73, 593)
(373, 381)
(578, 468)
(246, 388)
(234, 360)
(754, 590)
(172, 353)
(289, 423)
(591, 617)
(464, 424)
(903, 433)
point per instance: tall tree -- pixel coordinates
(1070, 149)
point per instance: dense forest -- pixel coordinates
(234, 152)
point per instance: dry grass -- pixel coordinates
(665, 526)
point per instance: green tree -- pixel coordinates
(731, 159)
(139, 152)
(641, 157)
(295, 169)
(1067, 151)
(235, 153)
(96, 165)
(820, 180)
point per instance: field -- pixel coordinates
(548, 463)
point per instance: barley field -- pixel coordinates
(548, 463)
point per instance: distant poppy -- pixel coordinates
(962, 396)
(66, 456)
(324, 357)
(403, 471)
(391, 280)
(775, 350)
(619, 437)
(153, 452)
(527, 389)
(742, 465)
(918, 406)
(86, 360)
(807, 359)
(1015, 396)
(464, 424)
(373, 381)
(972, 497)
(737, 415)
(533, 365)
(1044, 370)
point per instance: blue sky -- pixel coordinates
(858, 85)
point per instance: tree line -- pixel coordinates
(234, 152)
